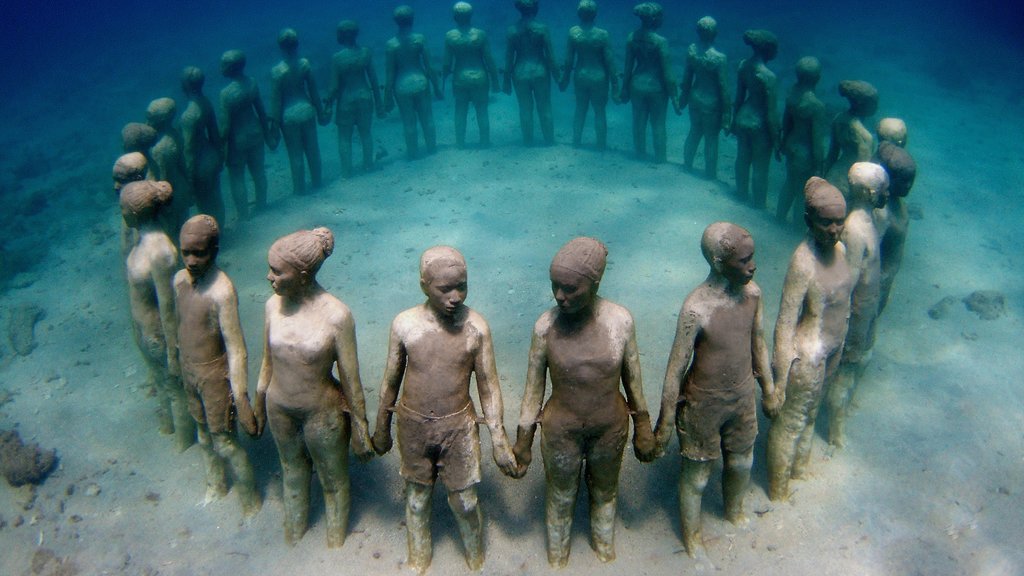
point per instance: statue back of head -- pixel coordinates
(586, 10)
(707, 29)
(808, 70)
(527, 7)
(762, 42)
(901, 168)
(347, 31)
(862, 96)
(584, 256)
(306, 250)
(288, 39)
(232, 62)
(403, 15)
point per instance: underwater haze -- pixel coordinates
(931, 480)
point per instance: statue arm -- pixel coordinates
(489, 389)
(741, 93)
(189, 137)
(834, 145)
(430, 73)
(394, 371)
(238, 357)
(633, 383)
(322, 114)
(276, 113)
(549, 52)
(510, 62)
(489, 66)
(609, 67)
(627, 71)
(163, 281)
(533, 400)
(667, 79)
(762, 363)
(351, 385)
(390, 76)
(570, 60)
(723, 91)
(686, 85)
(261, 112)
(371, 77)
(687, 328)
(794, 291)
(772, 111)
(819, 133)
(263, 381)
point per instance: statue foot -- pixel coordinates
(335, 538)
(694, 544)
(737, 518)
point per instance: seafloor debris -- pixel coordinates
(21, 328)
(22, 463)
(987, 304)
(942, 308)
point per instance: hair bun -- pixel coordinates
(326, 239)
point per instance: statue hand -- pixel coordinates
(246, 417)
(507, 88)
(523, 452)
(362, 446)
(381, 441)
(506, 461)
(771, 404)
(643, 444)
(324, 118)
(259, 411)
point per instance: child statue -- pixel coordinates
(211, 350)
(530, 67)
(169, 162)
(467, 58)
(894, 219)
(809, 333)
(295, 109)
(647, 80)
(755, 120)
(705, 88)
(202, 145)
(150, 268)
(709, 392)
(869, 191)
(587, 345)
(892, 130)
(409, 81)
(589, 63)
(312, 415)
(851, 141)
(803, 136)
(436, 348)
(128, 168)
(244, 130)
(355, 93)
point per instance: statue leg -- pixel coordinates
(599, 98)
(524, 96)
(227, 447)
(579, 116)
(345, 130)
(259, 175)
(712, 127)
(462, 96)
(311, 146)
(425, 111)
(327, 438)
(604, 461)
(239, 195)
(562, 462)
(184, 424)
(483, 119)
(693, 478)
(296, 472)
(735, 482)
(216, 472)
(839, 392)
(640, 115)
(788, 428)
(744, 151)
(407, 111)
(761, 159)
(364, 124)
(417, 525)
(293, 144)
(659, 109)
(693, 138)
(547, 121)
(470, 521)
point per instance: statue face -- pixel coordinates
(880, 197)
(739, 267)
(826, 224)
(198, 254)
(573, 291)
(446, 289)
(284, 278)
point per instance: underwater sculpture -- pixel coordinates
(894, 219)
(138, 137)
(468, 59)
(212, 355)
(435, 349)
(587, 346)
(869, 191)
(409, 81)
(244, 130)
(355, 94)
(168, 163)
(312, 415)
(150, 267)
(295, 110)
(129, 167)
(755, 120)
(589, 63)
(201, 145)
(647, 80)
(851, 141)
(809, 333)
(803, 137)
(709, 392)
(530, 67)
(892, 130)
(705, 88)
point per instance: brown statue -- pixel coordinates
(409, 81)
(355, 93)
(138, 137)
(467, 58)
(589, 63)
(150, 268)
(244, 130)
(587, 346)
(809, 333)
(435, 349)
(803, 137)
(129, 167)
(202, 145)
(869, 191)
(705, 88)
(295, 109)
(211, 351)
(851, 141)
(755, 120)
(312, 415)
(169, 162)
(530, 67)
(647, 81)
(894, 219)
(709, 393)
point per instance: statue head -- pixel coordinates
(443, 279)
(729, 250)
(403, 15)
(762, 42)
(192, 80)
(160, 113)
(142, 200)
(707, 29)
(824, 211)
(288, 40)
(232, 63)
(347, 31)
(138, 137)
(901, 168)
(576, 273)
(130, 167)
(869, 183)
(199, 241)
(462, 12)
(863, 97)
(586, 10)
(649, 13)
(527, 7)
(808, 70)
(295, 259)
(892, 130)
